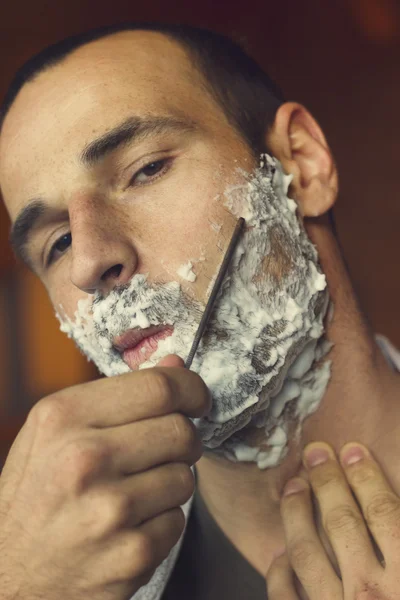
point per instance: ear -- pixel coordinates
(297, 141)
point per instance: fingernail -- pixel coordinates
(316, 455)
(351, 454)
(293, 486)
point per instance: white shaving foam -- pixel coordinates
(186, 272)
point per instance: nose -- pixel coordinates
(102, 256)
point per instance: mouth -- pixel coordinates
(137, 345)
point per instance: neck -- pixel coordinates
(243, 499)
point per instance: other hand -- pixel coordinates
(365, 537)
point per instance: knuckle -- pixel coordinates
(147, 552)
(143, 553)
(81, 460)
(326, 476)
(294, 503)
(114, 510)
(49, 414)
(384, 505)
(302, 555)
(159, 387)
(361, 474)
(105, 512)
(341, 519)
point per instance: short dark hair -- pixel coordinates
(248, 97)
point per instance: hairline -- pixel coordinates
(189, 52)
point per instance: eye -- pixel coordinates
(59, 247)
(150, 172)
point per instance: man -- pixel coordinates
(126, 158)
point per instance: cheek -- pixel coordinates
(214, 232)
(198, 243)
(184, 229)
(65, 299)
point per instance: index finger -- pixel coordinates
(379, 502)
(137, 395)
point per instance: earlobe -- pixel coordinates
(298, 142)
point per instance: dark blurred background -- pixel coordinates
(340, 58)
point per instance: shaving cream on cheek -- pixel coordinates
(186, 272)
(261, 353)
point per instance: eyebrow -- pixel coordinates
(24, 223)
(132, 130)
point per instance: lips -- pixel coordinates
(137, 345)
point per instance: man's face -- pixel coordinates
(142, 213)
(148, 206)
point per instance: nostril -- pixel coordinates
(113, 273)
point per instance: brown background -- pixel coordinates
(340, 58)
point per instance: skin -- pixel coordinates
(151, 74)
(131, 220)
(99, 515)
(362, 569)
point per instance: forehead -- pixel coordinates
(93, 89)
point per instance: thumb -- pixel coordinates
(171, 360)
